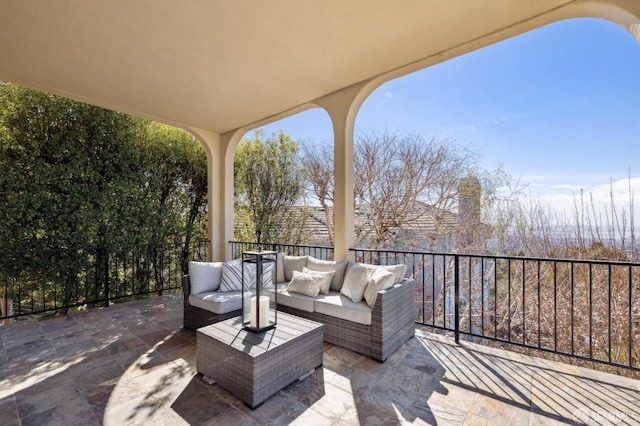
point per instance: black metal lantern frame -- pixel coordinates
(258, 313)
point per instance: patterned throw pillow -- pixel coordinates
(268, 274)
(232, 276)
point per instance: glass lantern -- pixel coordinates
(259, 303)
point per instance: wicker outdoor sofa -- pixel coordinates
(375, 326)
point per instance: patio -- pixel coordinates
(132, 363)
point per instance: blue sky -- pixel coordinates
(558, 107)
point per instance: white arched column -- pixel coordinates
(342, 107)
(220, 151)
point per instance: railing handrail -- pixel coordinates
(97, 247)
(325, 251)
(92, 275)
(324, 246)
(496, 256)
(452, 254)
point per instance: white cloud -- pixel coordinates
(488, 121)
(599, 198)
(570, 187)
(388, 94)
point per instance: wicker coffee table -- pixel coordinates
(254, 366)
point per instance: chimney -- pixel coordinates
(469, 194)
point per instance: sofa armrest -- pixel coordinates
(186, 287)
(393, 318)
(388, 296)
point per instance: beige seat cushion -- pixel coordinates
(219, 302)
(293, 300)
(339, 306)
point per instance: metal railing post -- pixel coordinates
(106, 277)
(456, 291)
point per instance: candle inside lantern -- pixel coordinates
(263, 306)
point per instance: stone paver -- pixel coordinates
(132, 363)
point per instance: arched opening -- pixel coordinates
(556, 108)
(269, 165)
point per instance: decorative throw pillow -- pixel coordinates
(329, 266)
(306, 284)
(267, 274)
(355, 282)
(398, 270)
(328, 276)
(293, 263)
(205, 276)
(232, 276)
(380, 280)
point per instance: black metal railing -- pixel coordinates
(317, 251)
(584, 309)
(47, 281)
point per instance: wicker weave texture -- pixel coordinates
(194, 317)
(392, 324)
(392, 321)
(255, 366)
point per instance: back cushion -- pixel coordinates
(293, 263)
(329, 266)
(205, 276)
(399, 271)
(280, 264)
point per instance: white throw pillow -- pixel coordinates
(355, 282)
(380, 280)
(328, 276)
(205, 276)
(306, 284)
(398, 270)
(232, 276)
(329, 266)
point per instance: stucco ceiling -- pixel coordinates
(219, 65)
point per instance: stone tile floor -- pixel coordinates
(132, 363)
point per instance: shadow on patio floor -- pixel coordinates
(132, 363)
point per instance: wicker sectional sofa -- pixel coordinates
(374, 321)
